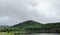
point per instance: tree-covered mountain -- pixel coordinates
(28, 24)
(36, 26)
(4, 26)
(54, 25)
(33, 26)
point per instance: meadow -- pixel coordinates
(11, 33)
(6, 33)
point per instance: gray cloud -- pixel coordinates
(15, 11)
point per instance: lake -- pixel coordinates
(41, 34)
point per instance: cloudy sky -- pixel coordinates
(16, 11)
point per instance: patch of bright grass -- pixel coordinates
(6, 33)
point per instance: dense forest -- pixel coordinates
(33, 26)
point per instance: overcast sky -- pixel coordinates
(16, 11)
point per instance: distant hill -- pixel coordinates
(29, 24)
(53, 25)
(4, 27)
(33, 26)
(36, 26)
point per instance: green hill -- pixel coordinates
(54, 25)
(4, 28)
(36, 26)
(28, 24)
(33, 26)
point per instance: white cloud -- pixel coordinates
(49, 9)
(15, 11)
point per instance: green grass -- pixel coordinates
(6, 33)
(12, 33)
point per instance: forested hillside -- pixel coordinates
(36, 26)
(33, 26)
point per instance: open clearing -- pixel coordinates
(6, 33)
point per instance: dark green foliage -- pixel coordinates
(33, 26)
(29, 24)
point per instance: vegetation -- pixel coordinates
(28, 24)
(32, 27)
(6, 33)
(39, 27)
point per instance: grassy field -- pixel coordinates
(6, 33)
(12, 33)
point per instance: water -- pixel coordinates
(41, 34)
